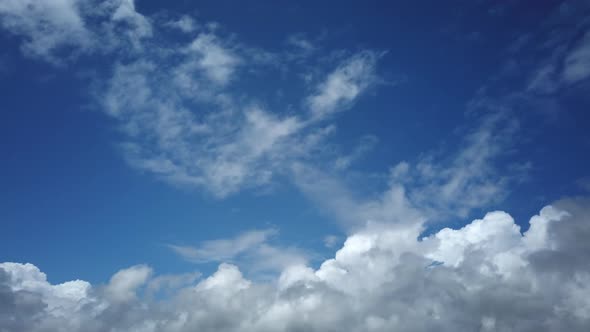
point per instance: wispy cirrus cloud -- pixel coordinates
(434, 187)
(576, 65)
(188, 126)
(224, 249)
(344, 84)
(252, 249)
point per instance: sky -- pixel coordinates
(294, 166)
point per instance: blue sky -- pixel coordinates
(272, 136)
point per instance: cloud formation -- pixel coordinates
(344, 84)
(486, 276)
(253, 249)
(62, 30)
(188, 124)
(181, 119)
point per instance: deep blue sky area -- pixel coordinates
(73, 204)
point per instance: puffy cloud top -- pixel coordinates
(486, 276)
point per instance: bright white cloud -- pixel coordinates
(488, 277)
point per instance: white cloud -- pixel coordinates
(543, 80)
(46, 25)
(177, 104)
(124, 283)
(576, 66)
(183, 129)
(140, 27)
(189, 126)
(224, 249)
(218, 62)
(469, 178)
(344, 85)
(366, 143)
(330, 241)
(252, 249)
(185, 24)
(436, 188)
(59, 300)
(57, 31)
(489, 277)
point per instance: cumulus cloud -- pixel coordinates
(124, 283)
(486, 276)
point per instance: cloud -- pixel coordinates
(137, 25)
(59, 31)
(330, 241)
(192, 124)
(576, 65)
(252, 249)
(47, 26)
(189, 126)
(488, 276)
(180, 127)
(224, 249)
(185, 23)
(366, 143)
(470, 178)
(436, 187)
(124, 283)
(543, 80)
(217, 62)
(344, 85)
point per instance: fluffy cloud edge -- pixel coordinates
(383, 277)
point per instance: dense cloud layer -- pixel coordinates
(486, 276)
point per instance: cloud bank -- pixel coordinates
(486, 276)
